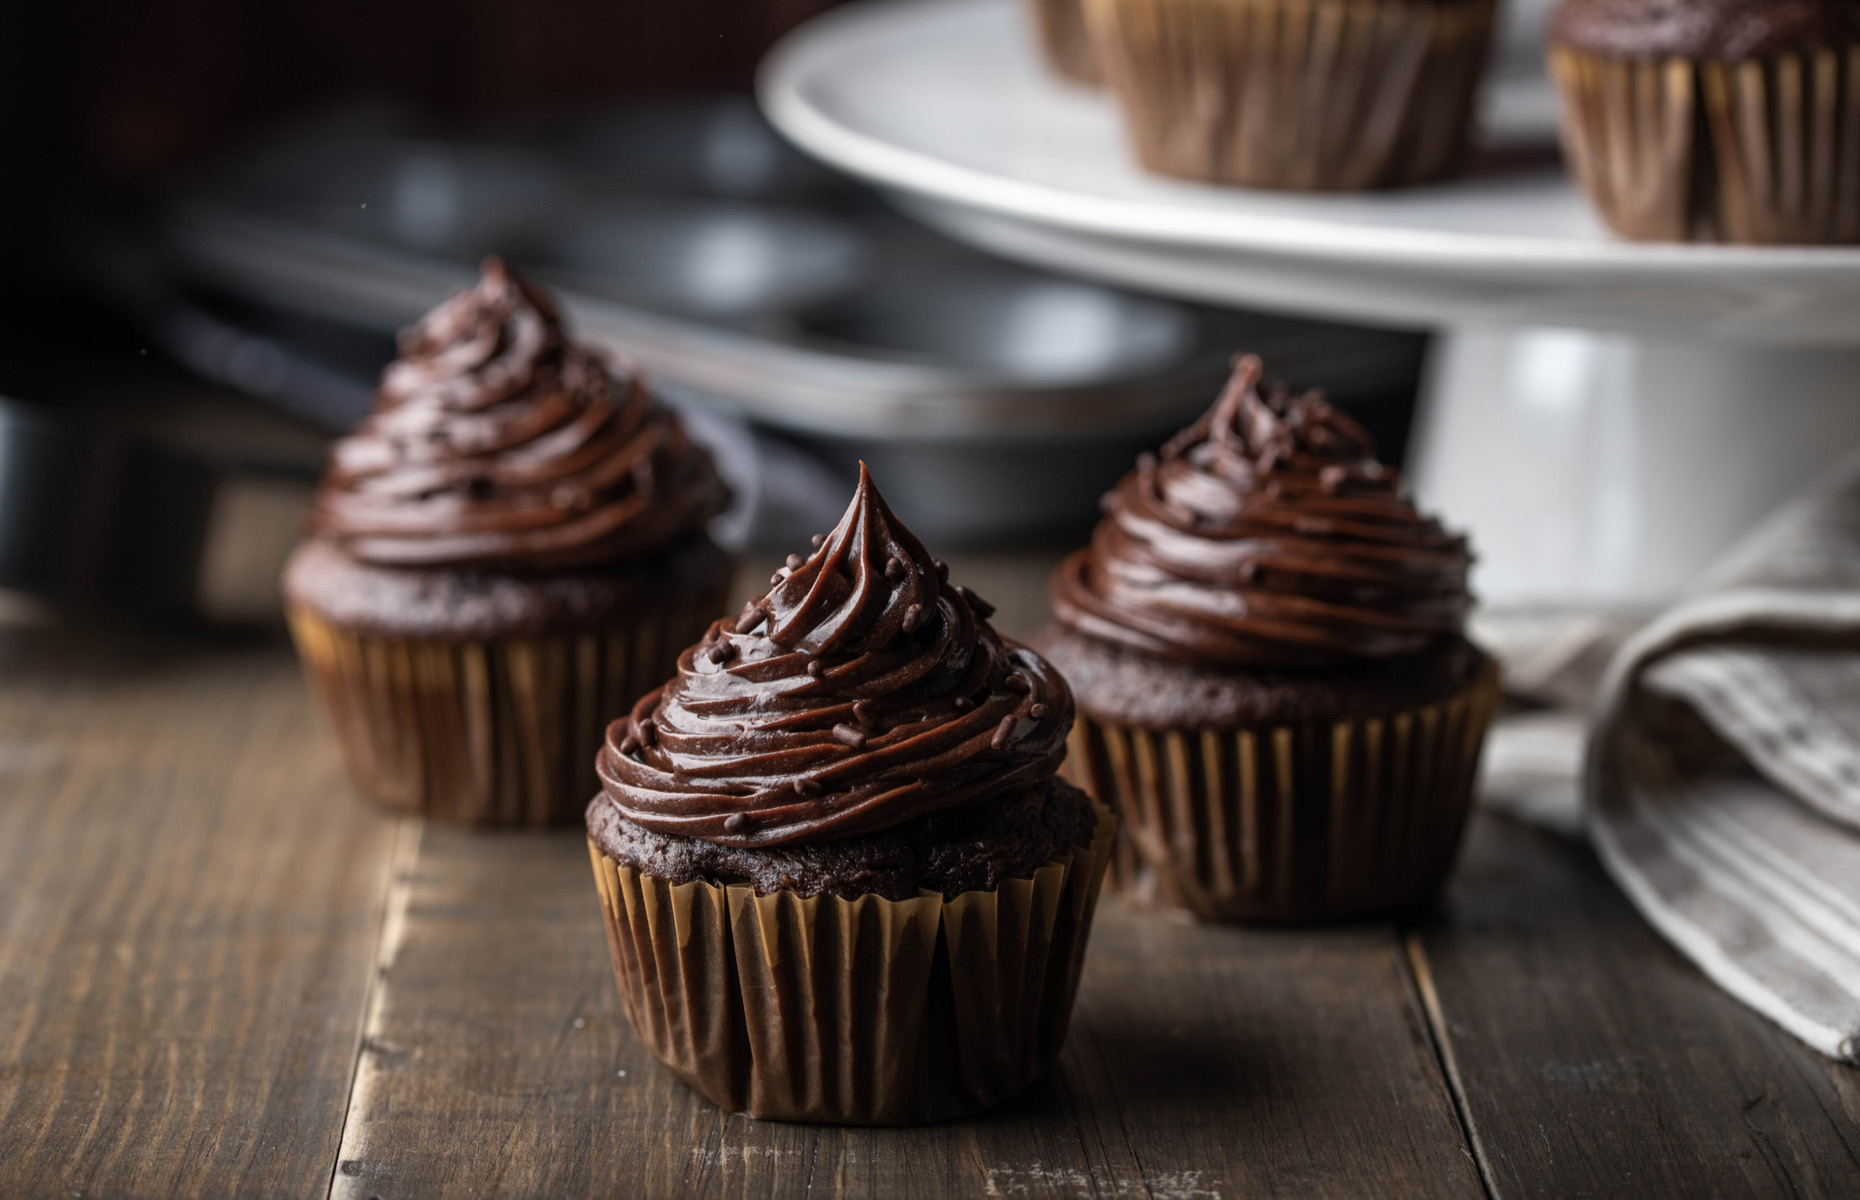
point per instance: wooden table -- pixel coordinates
(222, 975)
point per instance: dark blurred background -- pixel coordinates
(136, 95)
(215, 214)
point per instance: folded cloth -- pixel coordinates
(1722, 778)
(1554, 660)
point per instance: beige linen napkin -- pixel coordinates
(1722, 777)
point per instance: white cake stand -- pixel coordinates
(1604, 416)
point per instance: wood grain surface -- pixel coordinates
(221, 975)
(1594, 1061)
(1202, 1062)
(189, 898)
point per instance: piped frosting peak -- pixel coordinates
(862, 690)
(1265, 535)
(498, 443)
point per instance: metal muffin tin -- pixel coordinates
(995, 401)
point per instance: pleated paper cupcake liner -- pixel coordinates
(1065, 41)
(1331, 95)
(858, 1012)
(1763, 151)
(500, 732)
(1295, 823)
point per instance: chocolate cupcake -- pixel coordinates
(1274, 691)
(841, 880)
(1714, 120)
(1065, 41)
(510, 548)
(1320, 95)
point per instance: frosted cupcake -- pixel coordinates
(842, 882)
(508, 550)
(1265, 641)
(1714, 120)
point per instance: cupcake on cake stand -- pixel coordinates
(1604, 416)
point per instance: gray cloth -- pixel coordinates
(1722, 777)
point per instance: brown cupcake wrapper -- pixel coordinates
(498, 732)
(857, 1012)
(1065, 40)
(1294, 823)
(1761, 151)
(1330, 95)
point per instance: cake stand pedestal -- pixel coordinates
(1605, 417)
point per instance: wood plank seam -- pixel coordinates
(1421, 978)
(1078, 1129)
(714, 1154)
(813, 1162)
(350, 1149)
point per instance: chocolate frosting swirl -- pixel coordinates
(1724, 30)
(1266, 535)
(863, 690)
(497, 443)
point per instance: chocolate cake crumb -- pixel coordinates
(950, 851)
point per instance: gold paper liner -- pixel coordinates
(497, 732)
(1331, 95)
(1295, 823)
(1065, 41)
(1762, 151)
(855, 1012)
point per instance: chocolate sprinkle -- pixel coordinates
(1003, 732)
(1037, 712)
(648, 733)
(863, 713)
(735, 823)
(795, 562)
(574, 499)
(1018, 682)
(807, 787)
(894, 568)
(962, 704)
(817, 669)
(723, 652)
(820, 539)
(913, 618)
(852, 737)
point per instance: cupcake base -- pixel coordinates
(1762, 151)
(1326, 95)
(860, 1011)
(1065, 41)
(1307, 817)
(491, 714)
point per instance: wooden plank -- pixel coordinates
(1593, 1060)
(189, 897)
(1203, 1063)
